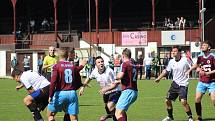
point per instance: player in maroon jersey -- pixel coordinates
(206, 67)
(62, 95)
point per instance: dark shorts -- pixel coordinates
(113, 97)
(175, 91)
(41, 97)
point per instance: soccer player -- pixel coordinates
(128, 79)
(206, 67)
(109, 89)
(49, 61)
(62, 94)
(38, 89)
(179, 87)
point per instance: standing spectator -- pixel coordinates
(76, 60)
(165, 63)
(165, 22)
(179, 86)
(26, 63)
(169, 24)
(156, 63)
(177, 23)
(38, 89)
(128, 79)
(40, 64)
(14, 63)
(140, 65)
(32, 26)
(148, 64)
(205, 66)
(182, 23)
(45, 24)
(49, 62)
(91, 62)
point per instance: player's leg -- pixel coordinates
(72, 104)
(50, 115)
(200, 91)
(32, 106)
(127, 97)
(211, 90)
(112, 109)
(183, 98)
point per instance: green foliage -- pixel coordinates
(149, 106)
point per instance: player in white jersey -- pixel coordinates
(109, 89)
(179, 87)
(38, 89)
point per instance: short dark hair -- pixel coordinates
(178, 47)
(98, 57)
(127, 52)
(16, 72)
(207, 42)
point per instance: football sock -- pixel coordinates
(170, 113)
(66, 117)
(198, 109)
(113, 114)
(36, 114)
(108, 112)
(189, 113)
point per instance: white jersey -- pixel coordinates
(105, 79)
(30, 78)
(178, 70)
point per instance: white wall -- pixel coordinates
(2, 63)
(35, 60)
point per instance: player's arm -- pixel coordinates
(210, 72)
(20, 86)
(118, 77)
(86, 83)
(164, 72)
(53, 83)
(192, 68)
(30, 90)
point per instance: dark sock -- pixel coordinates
(189, 113)
(113, 114)
(170, 113)
(66, 117)
(108, 112)
(122, 119)
(198, 109)
(36, 114)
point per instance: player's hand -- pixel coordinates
(19, 87)
(49, 100)
(102, 91)
(202, 73)
(83, 62)
(157, 80)
(198, 70)
(81, 91)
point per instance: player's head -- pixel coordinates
(206, 46)
(100, 63)
(63, 53)
(16, 73)
(126, 54)
(51, 50)
(71, 54)
(176, 51)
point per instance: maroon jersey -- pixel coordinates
(207, 63)
(65, 76)
(129, 80)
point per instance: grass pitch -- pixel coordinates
(149, 106)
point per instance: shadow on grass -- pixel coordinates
(89, 105)
(209, 119)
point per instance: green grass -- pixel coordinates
(149, 106)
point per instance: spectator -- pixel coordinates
(148, 63)
(140, 65)
(117, 64)
(182, 23)
(156, 63)
(45, 24)
(177, 23)
(32, 26)
(165, 63)
(165, 22)
(26, 63)
(14, 63)
(40, 64)
(76, 60)
(169, 24)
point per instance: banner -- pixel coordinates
(134, 38)
(173, 37)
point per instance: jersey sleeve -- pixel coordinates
(26, 83)
(111, 76)
(123, 67)
(53, 80)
